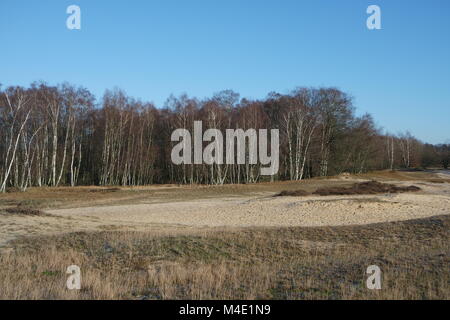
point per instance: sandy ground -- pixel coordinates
(257, 210)
(278, 211)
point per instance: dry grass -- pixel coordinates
(370, 187)
(105, 190)
(276, 263)
(438, 180)
(24, 211)
(388, 175)
(294, 193)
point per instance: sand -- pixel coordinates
(261, 210)
(274, 212)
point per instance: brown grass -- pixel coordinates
(438, 180)
(388, 175)
(105, 190)
(370, 187)
(273, 263)
(24, 211)
(295, 193)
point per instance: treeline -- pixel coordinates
(52, 136)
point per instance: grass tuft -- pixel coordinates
(24, 211)
(295, 193)
(370, 187)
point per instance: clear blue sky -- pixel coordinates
(399, 74)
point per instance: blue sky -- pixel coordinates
(400, 74)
